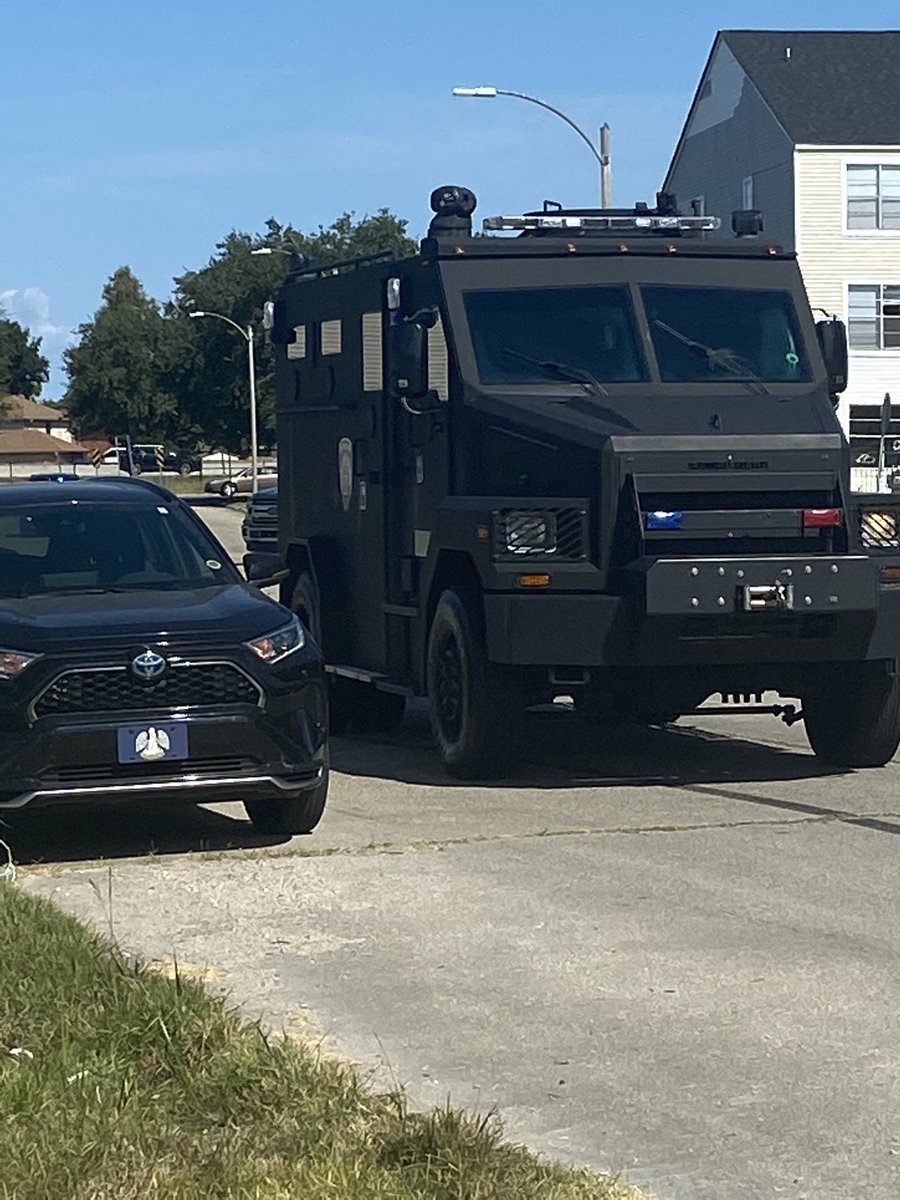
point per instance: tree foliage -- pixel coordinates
(185, 381)
(23, 369)
(118, 368)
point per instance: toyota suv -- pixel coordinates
(136, 663)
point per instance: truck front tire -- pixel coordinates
(474, 704)
(854, 721)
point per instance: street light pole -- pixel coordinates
(601, 154)
(605, 168)
(247, 335)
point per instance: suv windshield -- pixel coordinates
(79, 547)
(711, 334)
(528, 335)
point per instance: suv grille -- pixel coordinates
(122, 772)
(116, 690)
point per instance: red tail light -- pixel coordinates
(822, 518)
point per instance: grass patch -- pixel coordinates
(143, 1086)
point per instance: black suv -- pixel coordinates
(136, 662)
(260, 525)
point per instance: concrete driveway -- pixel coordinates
(673, 953)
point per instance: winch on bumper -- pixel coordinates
(838, 583)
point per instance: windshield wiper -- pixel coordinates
(562, 371)
(721, 357)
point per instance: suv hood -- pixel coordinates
(232, 613)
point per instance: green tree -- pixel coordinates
(23, 369)
(209, 375)
(118, 368)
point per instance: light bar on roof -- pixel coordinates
(555, 221)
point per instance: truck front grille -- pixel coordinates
(740, 524)
(114, 689)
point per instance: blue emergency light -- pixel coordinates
(664, 520)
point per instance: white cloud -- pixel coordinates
(31, 307)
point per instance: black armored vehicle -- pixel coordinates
(585, 453)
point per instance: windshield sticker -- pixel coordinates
(160, 508)
(214, 564)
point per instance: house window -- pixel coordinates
(747, 192)
(874, 311)
(873, 197)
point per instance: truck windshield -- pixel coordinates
(711, 334)
(587, 331)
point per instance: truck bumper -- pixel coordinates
(716, 611)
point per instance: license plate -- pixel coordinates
(150, 742)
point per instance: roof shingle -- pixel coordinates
(832, 87)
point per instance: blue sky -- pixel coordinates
(140, 133)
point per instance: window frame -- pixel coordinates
(874, 351)
(878, 164)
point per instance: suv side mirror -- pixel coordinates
(408, 360)
(832, 335)
(265, 569)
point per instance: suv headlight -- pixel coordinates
(14, 662)
(284, 641)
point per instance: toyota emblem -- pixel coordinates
(148, 666)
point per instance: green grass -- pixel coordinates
(142, 1086)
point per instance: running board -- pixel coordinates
(378, 679)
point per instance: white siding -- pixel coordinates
(831, 258)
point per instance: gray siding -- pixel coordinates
(732, 134)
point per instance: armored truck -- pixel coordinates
(582, 453)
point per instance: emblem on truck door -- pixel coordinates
(345, 472)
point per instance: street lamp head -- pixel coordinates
(262, 250)
(197, 314)
(475, 91)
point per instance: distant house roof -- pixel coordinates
(18, 408)
(34, 444)
(825, 87)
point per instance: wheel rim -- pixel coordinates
(449, 687)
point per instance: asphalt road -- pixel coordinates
(673, 953)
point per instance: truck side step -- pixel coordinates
(376, 678)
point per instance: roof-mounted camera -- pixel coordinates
(453, 208)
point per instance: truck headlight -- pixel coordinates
(284, 641)
(528, 532)
(14, 662)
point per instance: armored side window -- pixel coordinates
(330, 337)
(297, 349)
(438, 364)
(372, 357)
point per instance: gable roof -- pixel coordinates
(825, 87)
(34, 444)
(19, 408)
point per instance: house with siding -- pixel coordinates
(805, 127)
